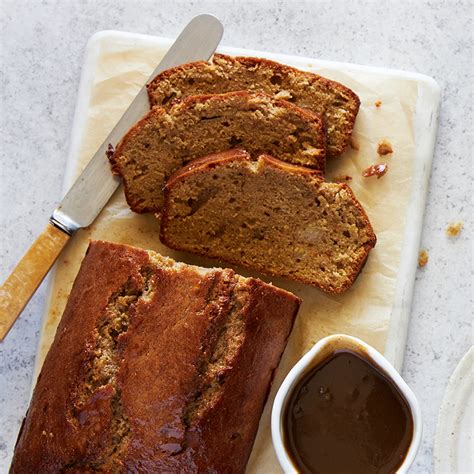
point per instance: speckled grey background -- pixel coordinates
(42, 46)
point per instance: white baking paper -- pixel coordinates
(364, 311)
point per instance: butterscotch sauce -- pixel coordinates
(347, 416)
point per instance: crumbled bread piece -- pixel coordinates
(375, 170)
(378, 103)
(384, 148)
(423, 258)
(454, 229)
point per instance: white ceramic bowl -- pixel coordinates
(319, 352)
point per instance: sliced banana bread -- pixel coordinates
(335, 102)
(165, 140)
(276, 218)
(156, 367)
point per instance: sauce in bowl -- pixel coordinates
(346, 416)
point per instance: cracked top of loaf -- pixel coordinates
(156, 366)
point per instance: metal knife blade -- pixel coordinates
(94, 187)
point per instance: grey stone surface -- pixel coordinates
(42, 45)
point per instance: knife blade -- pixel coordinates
(96, 184)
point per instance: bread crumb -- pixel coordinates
(454, 229)
(283, 94)
(341, 178)
(378, 103)
(423, 258)
(384, 148)
(110, 151)
(353, 144)
(375, 170)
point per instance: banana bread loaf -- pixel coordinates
(276, 218)
(336, 103)
(156, 367)
(199, 125)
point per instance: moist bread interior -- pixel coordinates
(276, 218)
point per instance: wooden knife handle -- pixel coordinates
(21, 284)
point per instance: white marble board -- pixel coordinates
(425, 127)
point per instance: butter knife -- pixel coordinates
(94, 187)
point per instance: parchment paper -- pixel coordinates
(365, 310)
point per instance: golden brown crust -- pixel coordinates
(211, 165)
(183, 383)
(223, 73)
(289, 168)
(155, 112)
(167, 74)
(236, 155)
(266, 271)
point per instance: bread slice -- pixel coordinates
(336, 103)
(270, 216)
(165, 140)
(156, 367)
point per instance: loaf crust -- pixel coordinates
(276, 218)
(165, 140)
(156, 367)
(337, 103)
